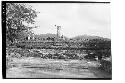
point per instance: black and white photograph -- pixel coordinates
(56, 40)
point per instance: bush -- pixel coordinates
(90, 57)
(106, 65)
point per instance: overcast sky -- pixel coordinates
(74, 18)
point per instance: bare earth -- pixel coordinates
(43, 68)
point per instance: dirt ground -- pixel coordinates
(49, 68)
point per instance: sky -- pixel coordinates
(74, 18)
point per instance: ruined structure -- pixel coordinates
(58, 31)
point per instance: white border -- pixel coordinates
(118, 50)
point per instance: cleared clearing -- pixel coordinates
(49, 68)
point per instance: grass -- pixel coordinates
(36, 67)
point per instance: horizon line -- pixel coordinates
(74, 36)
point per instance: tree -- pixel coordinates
(101, 49)
(16, 14)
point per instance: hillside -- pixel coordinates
(87, 37)
(83, 38)
(48, 35)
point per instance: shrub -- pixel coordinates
(106, 65)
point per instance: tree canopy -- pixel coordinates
(16, 14)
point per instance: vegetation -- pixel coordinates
(16, 15)
(106, 65)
